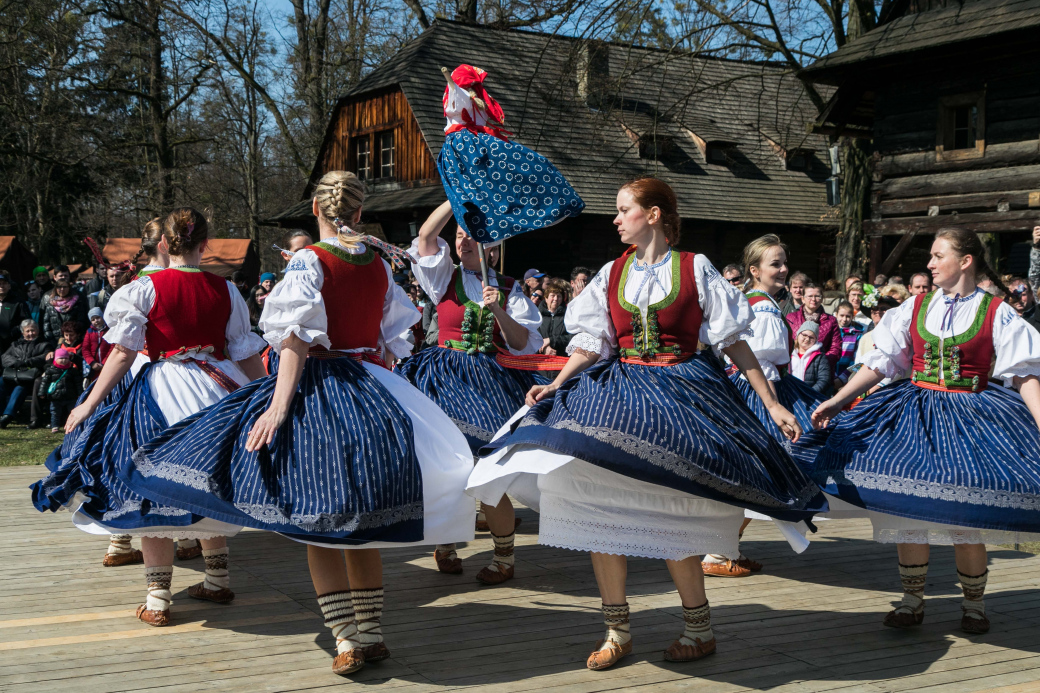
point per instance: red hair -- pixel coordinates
(653, 192)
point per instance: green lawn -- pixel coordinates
(19, 445)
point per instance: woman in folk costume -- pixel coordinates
(765, 274)
(120, 552)
(475, 325)
(948, 456)
(335, 450)
(653, 453)
(199, 348)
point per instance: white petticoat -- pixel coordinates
(445, 462)
(180, 389)
(588, 508)
(892, 529)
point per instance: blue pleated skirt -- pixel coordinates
(343, 469)
(682, 427)
(71, 445)
(476, 393)
(499, 189)
(799, 399)
(90, 463)
(961, 459)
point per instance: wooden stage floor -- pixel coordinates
(807, 623)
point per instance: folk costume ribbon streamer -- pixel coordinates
(123, 266)
(398, 257)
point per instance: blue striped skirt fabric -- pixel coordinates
(799, 399)
(500, 189)
(476, 393)
(964, 459)
(104, 445)
(683, 427)
(342, 467)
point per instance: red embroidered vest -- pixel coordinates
(672, 325)
(354, 291)
(963, 363)
(191, 310)
(466, 325)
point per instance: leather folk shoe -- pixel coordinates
(495, 574)
(349, 662)
(730, 569)
(976, 626)
(679, 652)
(904, 617)
(188, 553)
(221, 596)
(376, 653)
(607, 654)
(745, 562)
(448, 562)
(153, 617)
(112, 560)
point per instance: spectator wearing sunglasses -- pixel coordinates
(734, 274)
(537, 298)
(1021, 298)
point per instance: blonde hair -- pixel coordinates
(896, 291)
(339, 195)
(150, 237)
(184, 229)
(754, 251)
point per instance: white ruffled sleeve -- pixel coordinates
(769, 339)
(295, 305)
(399, 314)
(242, 342)
(893, 352)
(433, 272)
(1017, 346)
(588, 318)
(727, 314)
(520, 308)
(127, 314)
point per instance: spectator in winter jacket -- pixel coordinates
(100, 297)
(12, 312)
(19, 361)
(72, 341)
(65, 305)
(808, 361)
(851, 331)
(812, 310)
(95, 349)
(854, 295)
(555, 336)
(61, 386)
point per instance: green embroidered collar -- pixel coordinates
(358, 259)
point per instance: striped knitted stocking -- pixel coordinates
(974, 587)
(217, 577)
(159, 578)
(368, 611)
(119, 544)
(615, 617)
(913, 578)
(338, 610)
(698, 625)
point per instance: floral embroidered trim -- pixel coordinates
(474, 431)
(938, 491)
(743, 335)
(177, 473)
(947, 537)
(588, 344)
(324, 523)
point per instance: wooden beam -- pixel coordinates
(875, 256)
(976, 202)
(896, 256)
(994, 222)
(960, 183)
(997, 155)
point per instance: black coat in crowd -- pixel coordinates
(553, 328)
(24, 354)
(61, 384)
(819, 375)
(12, 313)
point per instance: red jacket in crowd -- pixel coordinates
(95, 349)
(830, 335)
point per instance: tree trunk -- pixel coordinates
(164, 155)
(850, 255)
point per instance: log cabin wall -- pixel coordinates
(367, 118)
(918, 186)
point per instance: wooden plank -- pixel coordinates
(997, 155)
(896, 256)
(978, 202)
(995, 222)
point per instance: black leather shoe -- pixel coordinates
(33, 425)
(4, 420)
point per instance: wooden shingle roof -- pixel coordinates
(947, 28)
(669, 99)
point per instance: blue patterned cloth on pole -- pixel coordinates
(93, 465)
(476, 393)
(499, 189)
(959, 458)
(341, 467)
(684, 427)
(799, 399)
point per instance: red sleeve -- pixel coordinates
(90, 348)
(831, 343)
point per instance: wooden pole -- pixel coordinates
(483, 263)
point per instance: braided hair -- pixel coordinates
(184, 229)
(339, 195)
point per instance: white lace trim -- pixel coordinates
(178, 474)
(177, 534)
(729, 341)
(947, 537)
(597, 345)
(569, 525)
(474, 431)
(676, 464)
(134, 506)
(947, 492)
